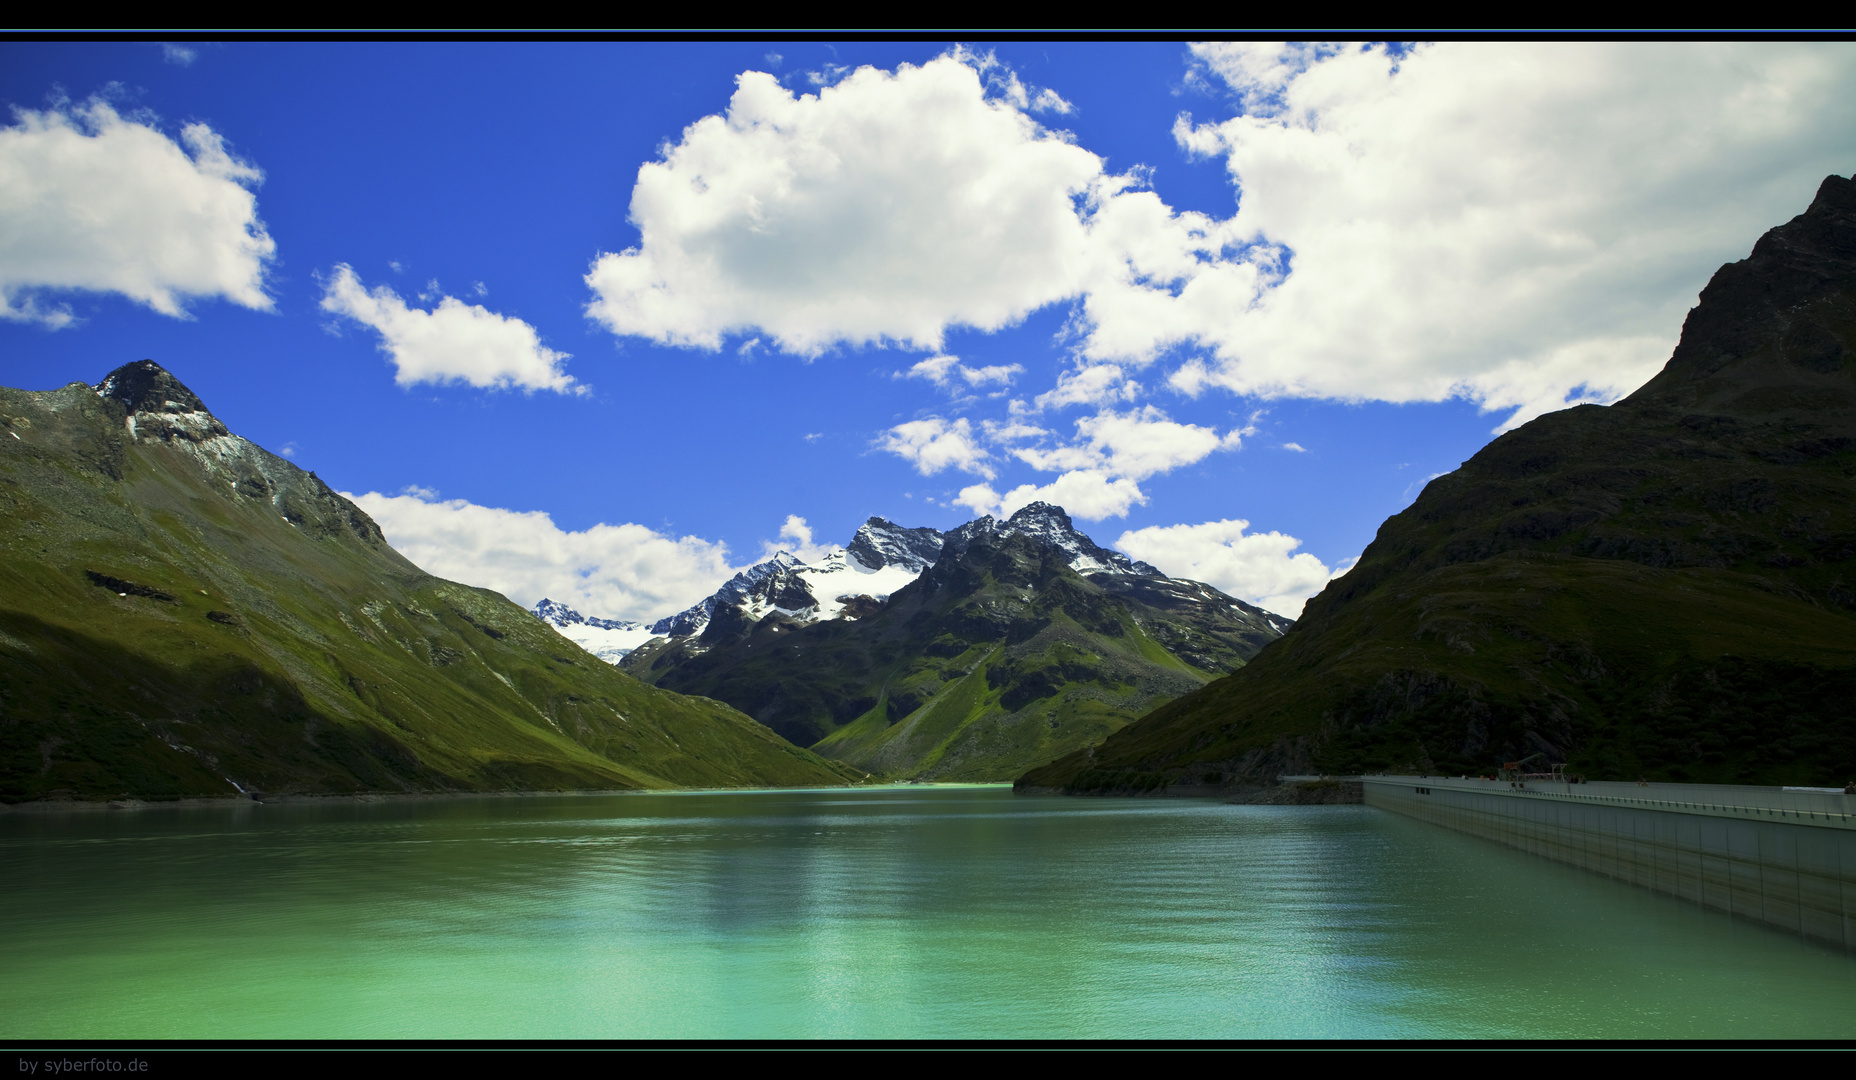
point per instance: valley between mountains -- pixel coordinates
(967, 655)
(1662, 588)
(188, 615)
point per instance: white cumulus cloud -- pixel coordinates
(1089, 384)
(453, 342)
(1521, 223)
(1135, 444)
(1100, 468)
(884, 208)
(90, 200)
(943, 370)
(1262, 568)
(609, 571)
(796, 530)
(933, 444)
(936, 369)
(796, 538)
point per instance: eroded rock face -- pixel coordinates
(1571, 588)
(880, 542)
(158, 407)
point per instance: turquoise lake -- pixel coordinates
(902, 912)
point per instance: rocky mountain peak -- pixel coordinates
(1050, 526)
(1768, 338)
(880, 543)
(1040, 515)
(608, 639)
(557, 614)
(958, 540)
(159, 409)
(773, 583)
(1000, 651)
(159, 406)
(146, 386)
(854, 581)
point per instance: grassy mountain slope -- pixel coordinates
(184, 614)
(1662, 588)
(996, 658)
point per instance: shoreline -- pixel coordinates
(229, 802)
(84, 806)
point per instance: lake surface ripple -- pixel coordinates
(908, 912)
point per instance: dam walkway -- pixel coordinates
(1781, 856)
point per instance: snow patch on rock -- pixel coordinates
(1050, 526)
(608, 639)
(846, 582)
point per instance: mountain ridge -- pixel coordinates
(1664, 587)
(809, 592)
(184, 614)
(1022, 639)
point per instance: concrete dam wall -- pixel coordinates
(1782, 856)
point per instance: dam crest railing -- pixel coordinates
(1822, 807)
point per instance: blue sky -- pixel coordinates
(656, 308)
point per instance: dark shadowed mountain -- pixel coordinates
(1664, 588)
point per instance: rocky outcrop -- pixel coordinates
(880, 542)
(1050, 527)
(156, 410)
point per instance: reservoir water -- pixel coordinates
(908, 912)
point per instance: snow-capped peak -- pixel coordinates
(849, 582)
(608, 639)
(1049, 525)
(880, 543)
(557, 614)
(765, 585)
(881, 558)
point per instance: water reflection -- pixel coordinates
(908, 912)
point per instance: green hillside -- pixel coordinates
(1663, 588)
(184, 614)
(997, 658)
